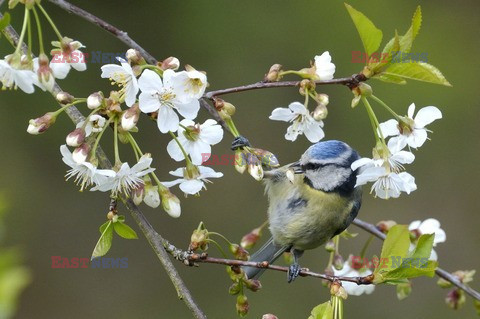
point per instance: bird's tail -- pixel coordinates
(269, 252)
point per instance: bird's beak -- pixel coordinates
(296, 167)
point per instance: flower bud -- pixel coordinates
(330, 246)
(170, 203)
(134, 57)
(235, 288)
(44, 72)
(64, 98)
(322, 98)
(80, 154)
(465, 276)
(253, 284)
(110, 215)
(249, 240)
(444, 283)
(41, 124)
(273, 74)
(238, 252)
(130, 117)
(267, 158)
(269, 316)
(364, 89)
(455, 299)
(229, 108)
(240, 161)
(385, 225)
(170, 63)
(199, 240)
(76, 137)
(152, 196)
(138, 194)
(338, 262)
(242, 305)
(320, 112)
(95, 100)
(256, 170)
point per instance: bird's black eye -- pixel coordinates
(312, 166)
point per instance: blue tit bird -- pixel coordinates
(309, 207)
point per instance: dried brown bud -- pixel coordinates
(253, 284)
(64, 98)
(273, 74)
(239, 252)
(242, 305)
(306, 86)
(385, 225)
(199, 239)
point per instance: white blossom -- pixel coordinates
(196, 140)
(122, 75)
(63, 61)
(126, 179)
(429, 226)
(85, 173)
(302, 122)
(411, 130)
(385, 173)
(351, 287)
(164, 97)
(13, 77)
(324, 68)
(192, 184)
(191, 83)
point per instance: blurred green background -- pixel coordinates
(236, 42)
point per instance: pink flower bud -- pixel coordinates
(44, 73)
(95, 100)
(41, 124)
(138, 193)
(250, 239)
(171, 63)
(80, 154)
(64, 98)
(130, 117)
(76, 137)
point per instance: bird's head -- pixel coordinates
(326, 166)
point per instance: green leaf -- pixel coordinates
(389, 78)
(396, 244)
(369, 34)
(121, 218)
(411, 272)
(103, 226)
(424, 246)
(5, 21)
(419, 71)
(123, 230)
(104, 242)
(404, 290)
(407, 40)
(322, 311)
(387, 55)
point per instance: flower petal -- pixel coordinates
(189, 110)
(148, 103)
(167, 120)
(150, 81)
(174, 151)
(60, 69)
(427, 115)
(389, 128)
(191, 187)
(211, 133)
(282, 114)
(314, 132)
(411, 110)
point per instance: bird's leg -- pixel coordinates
(240, 142)
(294, 269)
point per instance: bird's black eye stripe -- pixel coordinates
(316, 166)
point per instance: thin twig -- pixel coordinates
(350, 82)
(155, 239)
(121, 35)
(372, 229)
(190, 259)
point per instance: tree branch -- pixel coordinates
(121, 35)
(372, 229)
(154, 239)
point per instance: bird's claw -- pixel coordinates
(239, 142)
(293, 272)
